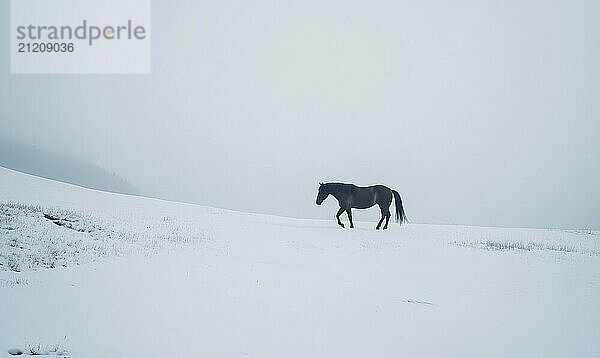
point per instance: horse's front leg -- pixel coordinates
(349, 211)
(337, 216)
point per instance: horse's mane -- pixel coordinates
(336, 187)
(337, 183)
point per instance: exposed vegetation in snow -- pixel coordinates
(34, 237)
(507, 245)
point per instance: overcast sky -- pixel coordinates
(480, 113)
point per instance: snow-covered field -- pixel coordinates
(91, 274)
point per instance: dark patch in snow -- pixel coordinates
(64, 222)
(418, 302)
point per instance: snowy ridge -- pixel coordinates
(94, 274)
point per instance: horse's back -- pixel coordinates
(379, 188)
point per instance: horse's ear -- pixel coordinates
(321, 183)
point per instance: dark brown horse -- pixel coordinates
(351, 196)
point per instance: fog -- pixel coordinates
(66, 168)
(477, 113)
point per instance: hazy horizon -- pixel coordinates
(32, 160)
(478, 114)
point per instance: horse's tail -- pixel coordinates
(400, 214)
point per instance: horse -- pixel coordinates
(350, 196)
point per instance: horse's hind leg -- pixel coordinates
(387, 219)
(337, 216)
(382, 217)
(349, 212)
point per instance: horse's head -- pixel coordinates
(323, 193)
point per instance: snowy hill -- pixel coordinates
(86, 273)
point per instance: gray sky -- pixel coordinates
(481, 113)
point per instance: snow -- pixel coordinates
(153, 278)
